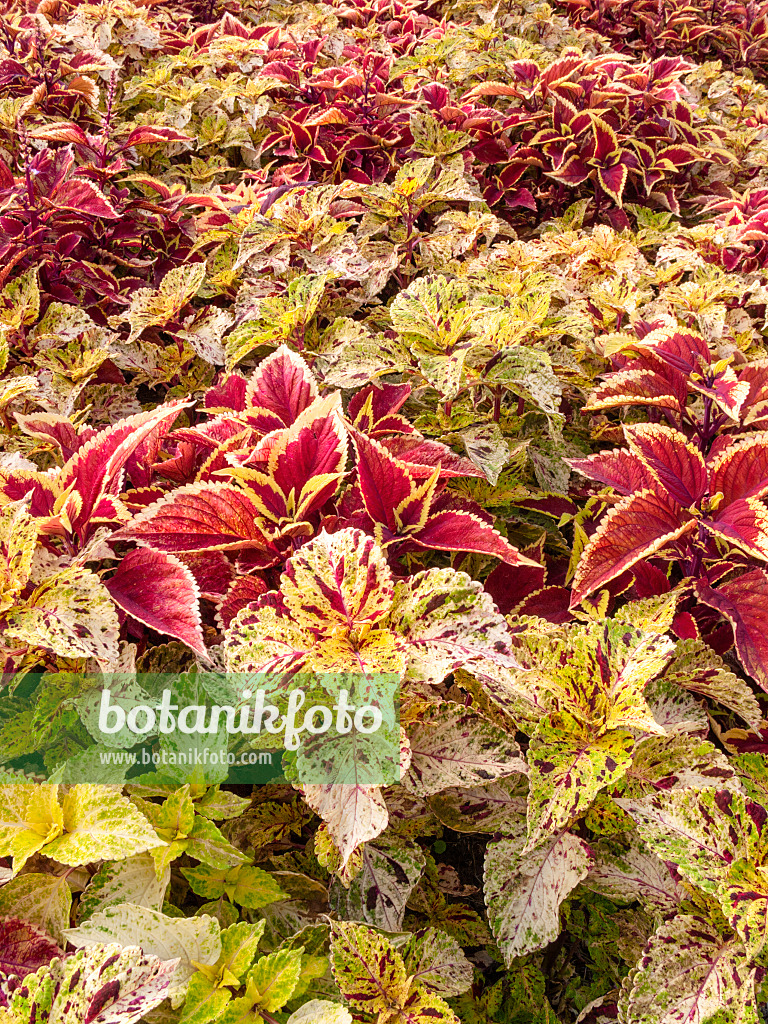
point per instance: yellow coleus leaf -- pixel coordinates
(30, 818)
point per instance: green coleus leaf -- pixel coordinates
(210, 988)
(568, 765)
(524, 890)
(243, 884)
(625, 870)
(102, 985)
(190, 940)
(273, 979)
(690, 973)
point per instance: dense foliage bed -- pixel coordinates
(421, 338)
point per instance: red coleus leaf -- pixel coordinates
(672, 459)
(95, 471)
(159, 590)
(147, 133)
(619, 469)
(424, 455)
(741, 471)
(385, 483)
(199, 517)
(745, 524)
(24, 948)
(402, 507)
(612, 180)
(280, 389)
(636, 528)
(373, 410)
(243, 591)
(744, 602)
(81, 196)
(46, 426)
(634, 386)
(458, 530)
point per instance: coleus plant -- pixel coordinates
(301, 309)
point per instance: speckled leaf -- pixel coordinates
(568, 766)
(700, 831)
(435, 960)
(688, 974)
(625, 870)
(377, 894)
(496, 807)
(70, 614)
(338, 579)
(131, 880)
(455, 746)
(102, 985)
(320, 1011)
(190, 940)
(523, 891)
(446, 620)
(353, 814)
(745, 904)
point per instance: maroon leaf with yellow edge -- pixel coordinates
(636, 528)
(399, 508)
(744, 602)
(672, 459)
(634, 386)
(200, 517)
(158, 590)
(280, 389)
(619, 469)
(745, 524)
(741, 471)
(93, 476)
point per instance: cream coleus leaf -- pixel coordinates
(444, 620)
(524, 890)
(101, 985)
(568, 765)
(390, 868)
(30, 818)
(130, 880)
(702, 831)
(190, 940)
(18, 538)
(320, 1011)
(70, 614)
(455, 746)
(626, 871)
(45, 900)
(436, 961)
(689, 974)
(353, 814)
